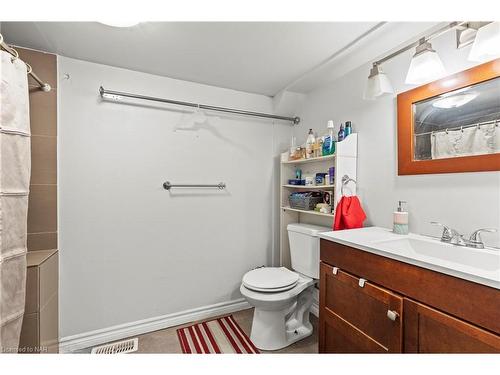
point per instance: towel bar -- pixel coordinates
(168, 185)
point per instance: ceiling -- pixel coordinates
(258, 57)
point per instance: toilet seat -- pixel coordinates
(270, 279)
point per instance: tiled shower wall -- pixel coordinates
(42, 210)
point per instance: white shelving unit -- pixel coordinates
(344, 160)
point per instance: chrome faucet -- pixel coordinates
(453, 237)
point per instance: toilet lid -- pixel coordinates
(270, 279)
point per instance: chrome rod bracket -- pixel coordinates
(45, 87)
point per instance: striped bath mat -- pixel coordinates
(221, 335)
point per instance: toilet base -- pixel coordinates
(277, 329)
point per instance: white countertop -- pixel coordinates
(478, 265)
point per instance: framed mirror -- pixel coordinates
(451, 125)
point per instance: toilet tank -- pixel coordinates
(304, 248)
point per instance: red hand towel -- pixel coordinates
(349, 214)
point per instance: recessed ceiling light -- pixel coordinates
(120, 23)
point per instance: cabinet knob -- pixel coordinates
(392, 315)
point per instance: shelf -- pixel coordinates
(311, 212)
(311, 160)
(317, 187)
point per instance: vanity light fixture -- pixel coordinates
(425, 66)
(486, 45)
(378, 84)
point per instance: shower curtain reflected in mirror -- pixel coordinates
(15, 165)
(473, 140)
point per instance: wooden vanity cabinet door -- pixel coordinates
(431, 331)
(353, 319)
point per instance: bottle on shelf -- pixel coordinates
(310, 144)
(348, 128)
(329, 142)
(341, 134)
(319, 146)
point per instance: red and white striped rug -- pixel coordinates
(221, 335)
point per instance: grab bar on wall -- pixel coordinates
(345, 180)
(168, 185)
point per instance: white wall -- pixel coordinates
(129, 250)
(465, 201)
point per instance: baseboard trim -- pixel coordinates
(87, 339)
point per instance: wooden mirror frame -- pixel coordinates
(407, 165)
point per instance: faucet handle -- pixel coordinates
(448, 233)
(476, 235)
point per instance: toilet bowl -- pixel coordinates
(283, 298)
(280, 317)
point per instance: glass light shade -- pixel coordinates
(486, 45)
(425, 67)
(378, 84)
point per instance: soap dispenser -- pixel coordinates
(400, 220)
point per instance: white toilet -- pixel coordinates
(283, 298)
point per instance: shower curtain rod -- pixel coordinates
(110, 94)
(43, 85)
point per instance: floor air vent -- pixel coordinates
(119, 347)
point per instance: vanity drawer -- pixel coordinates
(361, 316)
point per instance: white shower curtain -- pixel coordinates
(469, 141)
(15, 166)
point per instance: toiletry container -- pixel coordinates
(329, 141)
(348, 129)
(310, 144)
(400, 225)
(320, 179)
(293, 145)
(341, 134)
(331, 175)
(319, 146)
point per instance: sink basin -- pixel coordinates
(488, 260)
(477, 265)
